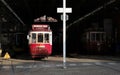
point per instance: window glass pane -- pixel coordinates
(33, 37)
(46, 40)
(40, 37)
(98, 36)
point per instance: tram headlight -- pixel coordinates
(42, 46)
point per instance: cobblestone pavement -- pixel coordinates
(51, 66)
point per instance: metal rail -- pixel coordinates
(3, 1)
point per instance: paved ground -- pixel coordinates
(86, 65)
(60, 59)
(72, 69)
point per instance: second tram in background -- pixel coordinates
(40, 41)
(94, 41)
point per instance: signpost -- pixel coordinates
(66, 17)
(64, 10)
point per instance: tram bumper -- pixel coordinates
(39, 52)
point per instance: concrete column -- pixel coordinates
(117, 22)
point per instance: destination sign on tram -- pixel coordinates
(40, 27)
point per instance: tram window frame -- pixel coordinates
(40, 38)
(33, 39)
(46, 37)
(94, 37)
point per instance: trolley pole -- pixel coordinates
(64, 33)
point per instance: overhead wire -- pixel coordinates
(94, 11)
(5, 3)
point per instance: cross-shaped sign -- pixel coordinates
(67, 10)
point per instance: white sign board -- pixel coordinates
(67, 10)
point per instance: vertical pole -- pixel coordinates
(0, 31)
(64, 34)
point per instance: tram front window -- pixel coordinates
(46, 40)
(98, 37)
(33, 37)
(40, 37)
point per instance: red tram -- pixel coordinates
(40, 41)
(94, 41)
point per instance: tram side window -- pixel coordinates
(46, 40)
(40, 37)
(98, 37)
(33, 37)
